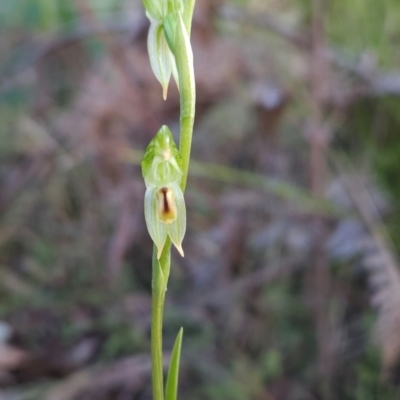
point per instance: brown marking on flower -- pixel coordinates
(166, 207)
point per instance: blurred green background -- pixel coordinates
(290, 287)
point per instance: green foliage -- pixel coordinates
(171, 388)
(244, 382)
(49, 15)
(359, 27)
(122, 339)
(369, 385)
(272, 365)
(365, 26)
(40, 15)
(372, 131)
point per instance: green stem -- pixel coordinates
(184, 64)
(156, 330)
(188, 15)
(161, 270)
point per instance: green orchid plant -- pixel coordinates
(165, 169)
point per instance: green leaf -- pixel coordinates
(171, 389)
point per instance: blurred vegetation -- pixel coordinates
(77, 99)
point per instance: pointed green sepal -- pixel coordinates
(161, 58)
(171, 389)
(157, 230)
(177, 228)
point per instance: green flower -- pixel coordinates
(165, 214)
(164, 205)
(162, 60)
(163, 16)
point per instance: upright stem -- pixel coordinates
(161, 267)
(159, 285)
(158, 296)
(188, 15)
(156, 344)
(184, 63)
